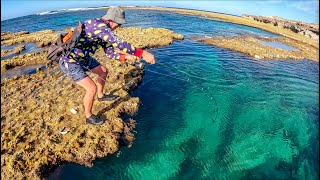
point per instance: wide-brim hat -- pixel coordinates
(115, 14)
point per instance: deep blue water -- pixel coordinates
(267, 121)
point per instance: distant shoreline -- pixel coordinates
(236, 20)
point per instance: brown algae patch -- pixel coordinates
(252, 47)
(38, 130)
(141, 38)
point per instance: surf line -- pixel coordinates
(194, 77)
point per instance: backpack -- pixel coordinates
(64, 44)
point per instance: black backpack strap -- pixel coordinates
(58, 48)
(74, 39)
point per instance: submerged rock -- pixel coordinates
(38, 130)
(19, 48)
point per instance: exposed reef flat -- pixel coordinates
(38, 129)
(255, 47)
(41, 38)
(307, 29)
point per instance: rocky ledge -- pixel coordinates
(255, 47)
(42, 121)
(307, 29)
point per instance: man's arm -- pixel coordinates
(112, 54)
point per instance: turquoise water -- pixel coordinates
(267, 121)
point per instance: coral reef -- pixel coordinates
(42, 121)
(252, 47)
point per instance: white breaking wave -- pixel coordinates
(68, 10)
(47, 12)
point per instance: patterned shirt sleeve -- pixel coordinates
(111, 53)
(97, 29)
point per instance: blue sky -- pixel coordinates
(303, 10)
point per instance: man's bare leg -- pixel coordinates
(102, 73)
(88, 98)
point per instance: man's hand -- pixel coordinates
(148, 57)
(131, 57)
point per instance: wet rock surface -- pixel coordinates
(42, 119)
(253, 47)
(307, 29)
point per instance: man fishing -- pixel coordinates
(98, 33)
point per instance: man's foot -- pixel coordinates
(94, 120)
(109, 97)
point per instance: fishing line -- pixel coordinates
(203, 88)
(188, 74)
(167, 75)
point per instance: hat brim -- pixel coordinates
(120, 20)
(116, 19)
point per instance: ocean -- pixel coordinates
(207, 112)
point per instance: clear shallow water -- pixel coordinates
(278, 45)
(267, 126)
(29, 48)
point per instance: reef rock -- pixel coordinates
(252, 47)
(38, 131)
(307, 29)
(42, 119)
